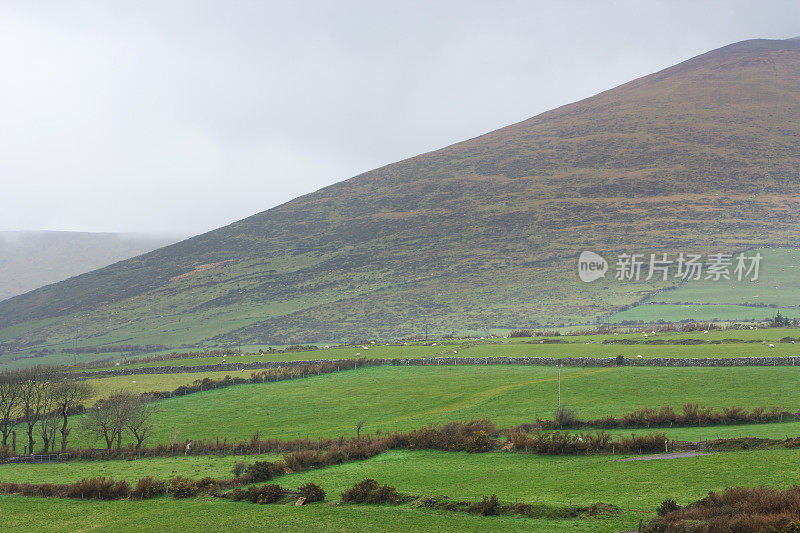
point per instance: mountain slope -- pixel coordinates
(32, 259)
(703, 156)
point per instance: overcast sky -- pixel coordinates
(172, 116)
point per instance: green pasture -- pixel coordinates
(206, 513)
(570, 346)
(193, 466)
(405, 397)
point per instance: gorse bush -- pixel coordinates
(206, 484)
(472, 436)
(312, 492)
(370, 491)
(667, 506)
(261, 471)
(183, 488)
(264, 494)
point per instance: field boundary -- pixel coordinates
(441, 361)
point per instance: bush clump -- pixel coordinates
(486, 507)
(183, 488)
(264, 494)
(261, 471)
(239, 468)
(370, 491)
(206, 484)
(148, 487)
(667, 506)
(99, 488)
(312, 492)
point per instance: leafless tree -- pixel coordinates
(10, 392)
(68, 395)
(139, 418)
(107, 419)
(34, 400)
(120, 412)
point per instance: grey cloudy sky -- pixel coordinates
(183, 116)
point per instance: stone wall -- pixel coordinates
(538, 361)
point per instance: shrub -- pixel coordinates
(384, 494)
(237, 495)
(486, 507)
(480, 443)
(99, 488)
(667, 506)
(565, 417)
(183, 488)
(370, 491)
(239, 468)
(261, 471)
(264, 494)
(148, 487)
(206, 484)
(358, 493)
(735, 509)
(312, 492)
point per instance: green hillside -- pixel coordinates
(702, 156)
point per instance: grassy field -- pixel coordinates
(160, 467)
(571, 346)
(561, 480)
(554, 480)
(635, 486)
(163, 514)
(394, 398)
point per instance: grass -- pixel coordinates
(572, 346)
(559, 480)
(163, 514)
(395, 398)
(131, 470)
(153, 382)
(554, 480)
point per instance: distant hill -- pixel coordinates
(702, 156)
(32, 259)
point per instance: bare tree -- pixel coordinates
(67, 396)
(139, 418)
(10, 392)
(108, 418)
(48, 418)
(34, 394)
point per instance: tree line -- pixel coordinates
(39, 402)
